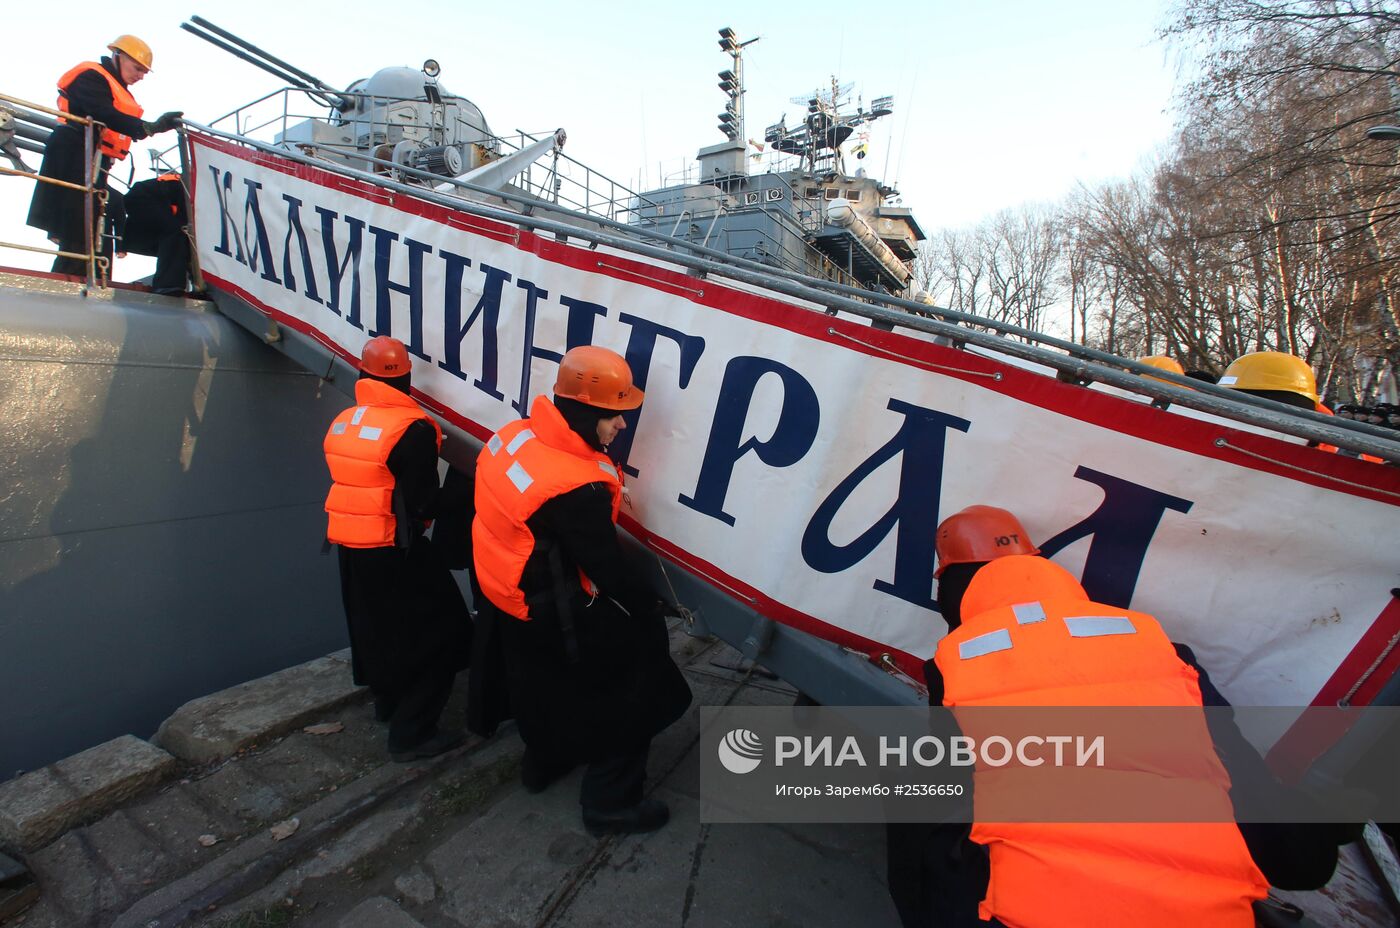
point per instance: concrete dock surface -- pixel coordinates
(316, 828)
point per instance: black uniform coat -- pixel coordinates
(59, 210)
(618, 686)
(404, 609)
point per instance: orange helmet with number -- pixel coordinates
(385, 357)
(598, 377)
(978, 534)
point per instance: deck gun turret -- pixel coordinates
(398, 118)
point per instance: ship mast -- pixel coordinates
(731, 81)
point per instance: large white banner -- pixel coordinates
(801, 461)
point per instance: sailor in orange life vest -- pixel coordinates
(1013, 639)
(100, 91)
(151, 220)
(410, 631)
(584, 640)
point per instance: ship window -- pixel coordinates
(833, 193)
(814, 191)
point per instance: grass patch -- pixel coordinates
(468, 793)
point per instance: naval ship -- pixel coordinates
(810, 414)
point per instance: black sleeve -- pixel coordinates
(580, 522)
(1294, 856)
(413, 462)
(933, 678)
(90, 95)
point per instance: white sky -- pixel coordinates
(994, 104)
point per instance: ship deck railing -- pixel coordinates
(561, 180)
(1069, 361)
(94, 197)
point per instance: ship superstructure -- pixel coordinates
(789, 200)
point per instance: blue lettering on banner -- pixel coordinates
(1122, 527)
(641, 345)
(792, 436)
(582, 316)
(223, 186)
(263, 253)
(488, 309)
(336, 266)
(533, 295)
(383, 287)
(920, 443)
(294, 228)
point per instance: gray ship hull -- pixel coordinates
(160, 538)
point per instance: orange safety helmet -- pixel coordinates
(135, 49)
(385, 357)
(978, 534)
(597, 376)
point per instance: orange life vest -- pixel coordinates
(360, 506)
(1035, 639)
(523, 466)
(171, 177)
(112, 143)
(1333, 449)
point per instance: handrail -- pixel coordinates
(1087, 366)
(98, 269)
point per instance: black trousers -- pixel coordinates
(414, 708)
(614, 783)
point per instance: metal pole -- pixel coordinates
(196, 273)
(89, 154)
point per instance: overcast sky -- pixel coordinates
(995, 105)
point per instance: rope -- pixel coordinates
(640, 276)
(894, 670)
(919, 361)
(686, 614)
(1225, 443)
(1375, 665)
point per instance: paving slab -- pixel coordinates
(504, 868)
(39, 806)
(378, 913)
(416, 886)
(221, 724)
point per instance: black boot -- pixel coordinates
(647, 815)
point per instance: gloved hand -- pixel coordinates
(165, 123)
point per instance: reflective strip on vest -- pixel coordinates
(990, 643)
(370, 433)
(520, 438)
(608, 468)
(1028, 613)
(494, 445)
(338, 428)
(519, 477)
(359, 414)
(1097, 626)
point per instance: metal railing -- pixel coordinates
(1072, 362)
(94, 197)
(564, 180)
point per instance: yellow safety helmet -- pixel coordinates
(1163, 363)
(135, 49)
(1271, 370)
